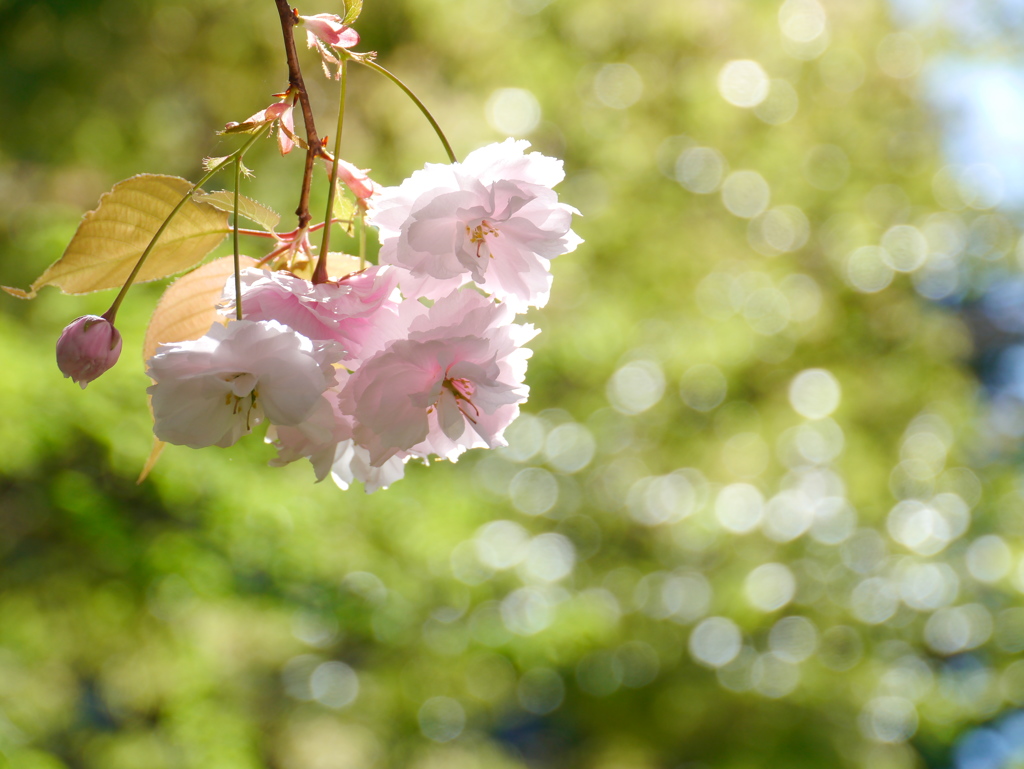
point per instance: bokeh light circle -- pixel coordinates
(715, 641)
(513, 111)
(815, 393)
(743, 83)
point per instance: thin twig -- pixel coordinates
(297, 84)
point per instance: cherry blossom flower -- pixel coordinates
(454, 382)
(326, 31)
(492, 219)
(324, 438)
(87, 347)
(356, 311)
(212, 391)
(315, 438)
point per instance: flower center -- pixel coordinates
(479, 235)
(463, 391)
(242, 395)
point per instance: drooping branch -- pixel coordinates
(313, 147)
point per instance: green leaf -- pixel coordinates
(345, 209)
(253, 210)
(110, 240)
(352, 10)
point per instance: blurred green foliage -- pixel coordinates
(690, 556)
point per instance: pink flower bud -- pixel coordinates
(330, 29)
(87, 347)
(362, 186)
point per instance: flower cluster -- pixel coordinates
(493, 220)
(401, 360)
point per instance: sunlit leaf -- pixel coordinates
(352, 10)
(251, 209)
(188, 307)
(110, 240)
(345, 209)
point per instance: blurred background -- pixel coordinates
(763, 509)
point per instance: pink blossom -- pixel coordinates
(356, 311)
(324, 438)
(327, 33)
(492, 219)
(316, 437)
(87, 347)
(212, 391)
(455, 382)
(330, 29)
(356, 179)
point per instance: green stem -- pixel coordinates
(408, 92)
(234, 233)
(320, 273)
(362, 242)
(109, 314)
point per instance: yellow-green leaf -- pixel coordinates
(352, 10)
(189, 305)
(253, 210)
(110, 240)
(345, 209)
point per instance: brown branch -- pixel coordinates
(313, 146)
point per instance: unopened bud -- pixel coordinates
(87, 347)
